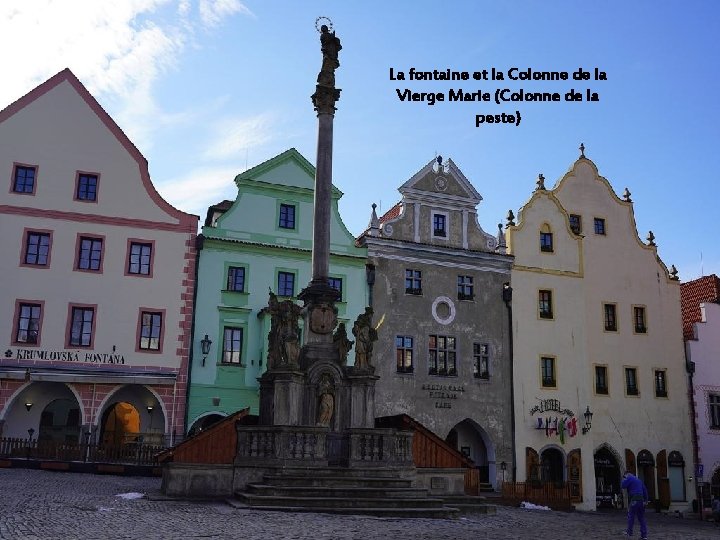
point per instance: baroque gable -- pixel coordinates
(438, 207)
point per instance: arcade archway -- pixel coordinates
(201, 424)
(60, 422)
(120, 425)
(469, 438)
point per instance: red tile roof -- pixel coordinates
(392, 213)
(692, 294)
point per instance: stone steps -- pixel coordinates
(443, 512)
(469, 504)
(336, 481)
(376, 492)
(335, 491)
(331, 501)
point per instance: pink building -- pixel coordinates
(701, 329)
(97, 278)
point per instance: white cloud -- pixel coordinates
(234, 136)
(200, 188)
(212, 12)
(117, 49)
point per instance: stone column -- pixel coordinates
(319, 298)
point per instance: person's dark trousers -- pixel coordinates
(637, 509)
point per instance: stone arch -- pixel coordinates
(609, 467)
(204, 421)
(17, 419)
(552, 464)
(471, 436)
(154, 424)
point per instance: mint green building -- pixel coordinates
(260, 241)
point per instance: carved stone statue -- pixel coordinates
(283, 342)
(325, 409)
(274, 343)
(342, 343)
(330, 46)
(365, 336)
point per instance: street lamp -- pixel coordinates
(588, 420)
(503, 468)
(205, 344)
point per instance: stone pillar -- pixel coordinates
(319, 298)
(362, 400)
(281, 397)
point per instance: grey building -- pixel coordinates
(443, 352)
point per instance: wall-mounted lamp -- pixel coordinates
(31, 431)
(503, 468)
(216, 401)
(205, 344)
(507, 293)
(28, 405)
(150, 409)
(588, 420)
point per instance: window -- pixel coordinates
(89, 255)
(599, 225)
(575, 223)
(440, 225)
(631, 387)
(236, 279)
(287, 216)
(336, 283)
(481, 361)
(545, 304)
(37, 248)
(660, 383)
(610, 317)
(441, 359)
(714, 410)
(140, 259)
(232, 346)
(404, 354)
(86, 189)
(28, 324)
(547, 372)
(465, 288)
(81, 327)
(601, 380)
(639, 319)
(546, 242)
(286, 284)
(24, 179)
(413, 282)
(150, 331)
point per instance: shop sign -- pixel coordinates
(65, 356)
(564, 425)
(443, 393)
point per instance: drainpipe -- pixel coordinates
(370, 275)
(507, 298)
(690, 368)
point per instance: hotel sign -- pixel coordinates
(65, 356)
(562, 425)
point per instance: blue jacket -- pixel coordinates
(636, 488)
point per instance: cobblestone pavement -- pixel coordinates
(46, 505)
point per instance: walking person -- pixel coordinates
(637, 497)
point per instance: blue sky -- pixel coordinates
(207, 88)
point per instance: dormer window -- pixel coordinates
(546, 239)
(439, 225)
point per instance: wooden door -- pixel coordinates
(574, 475)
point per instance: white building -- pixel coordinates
(597, 328)
(97, 278)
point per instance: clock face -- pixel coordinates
(440, 183)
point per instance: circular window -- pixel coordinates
(443, 310)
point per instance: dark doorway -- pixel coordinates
(607, 479)
(552, 467)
